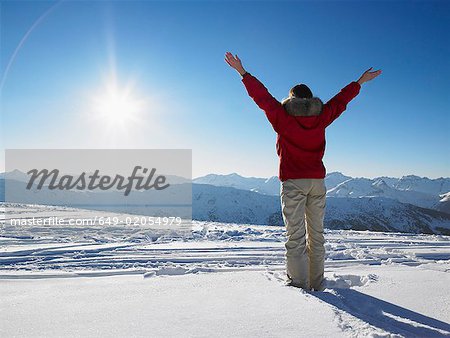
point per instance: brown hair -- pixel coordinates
(301, 91)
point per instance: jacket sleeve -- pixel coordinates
(271, 106)
(336, 105)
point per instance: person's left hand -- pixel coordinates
(234, 62)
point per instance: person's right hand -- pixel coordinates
(234, 62)
(369, 75)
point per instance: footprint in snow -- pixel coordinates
(333, 282)
(348, 281)
(276, 276)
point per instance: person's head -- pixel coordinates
(301, 102)
(301, 91)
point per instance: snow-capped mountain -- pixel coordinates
(231, 205)
(384, 214)
(364, 187)
(335, 178)
(444, 203)
(225, 204)
(422, 184)
(268, 186)
(419, 191)
(16, 175)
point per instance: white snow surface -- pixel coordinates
(214, 280)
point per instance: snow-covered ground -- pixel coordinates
(214, 280)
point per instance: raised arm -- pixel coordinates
(337, 105)
(256, 90)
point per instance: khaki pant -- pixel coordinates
(304, 200)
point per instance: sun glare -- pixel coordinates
(117, 107)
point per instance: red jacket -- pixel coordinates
(300, 139)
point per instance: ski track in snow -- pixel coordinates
(67, 251)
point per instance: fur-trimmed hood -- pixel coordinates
(303, 107)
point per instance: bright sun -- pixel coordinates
(117, 107)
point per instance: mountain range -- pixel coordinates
(419, 191)
(408, 204)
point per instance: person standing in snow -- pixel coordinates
(300, 122)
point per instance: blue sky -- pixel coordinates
(169, 57)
